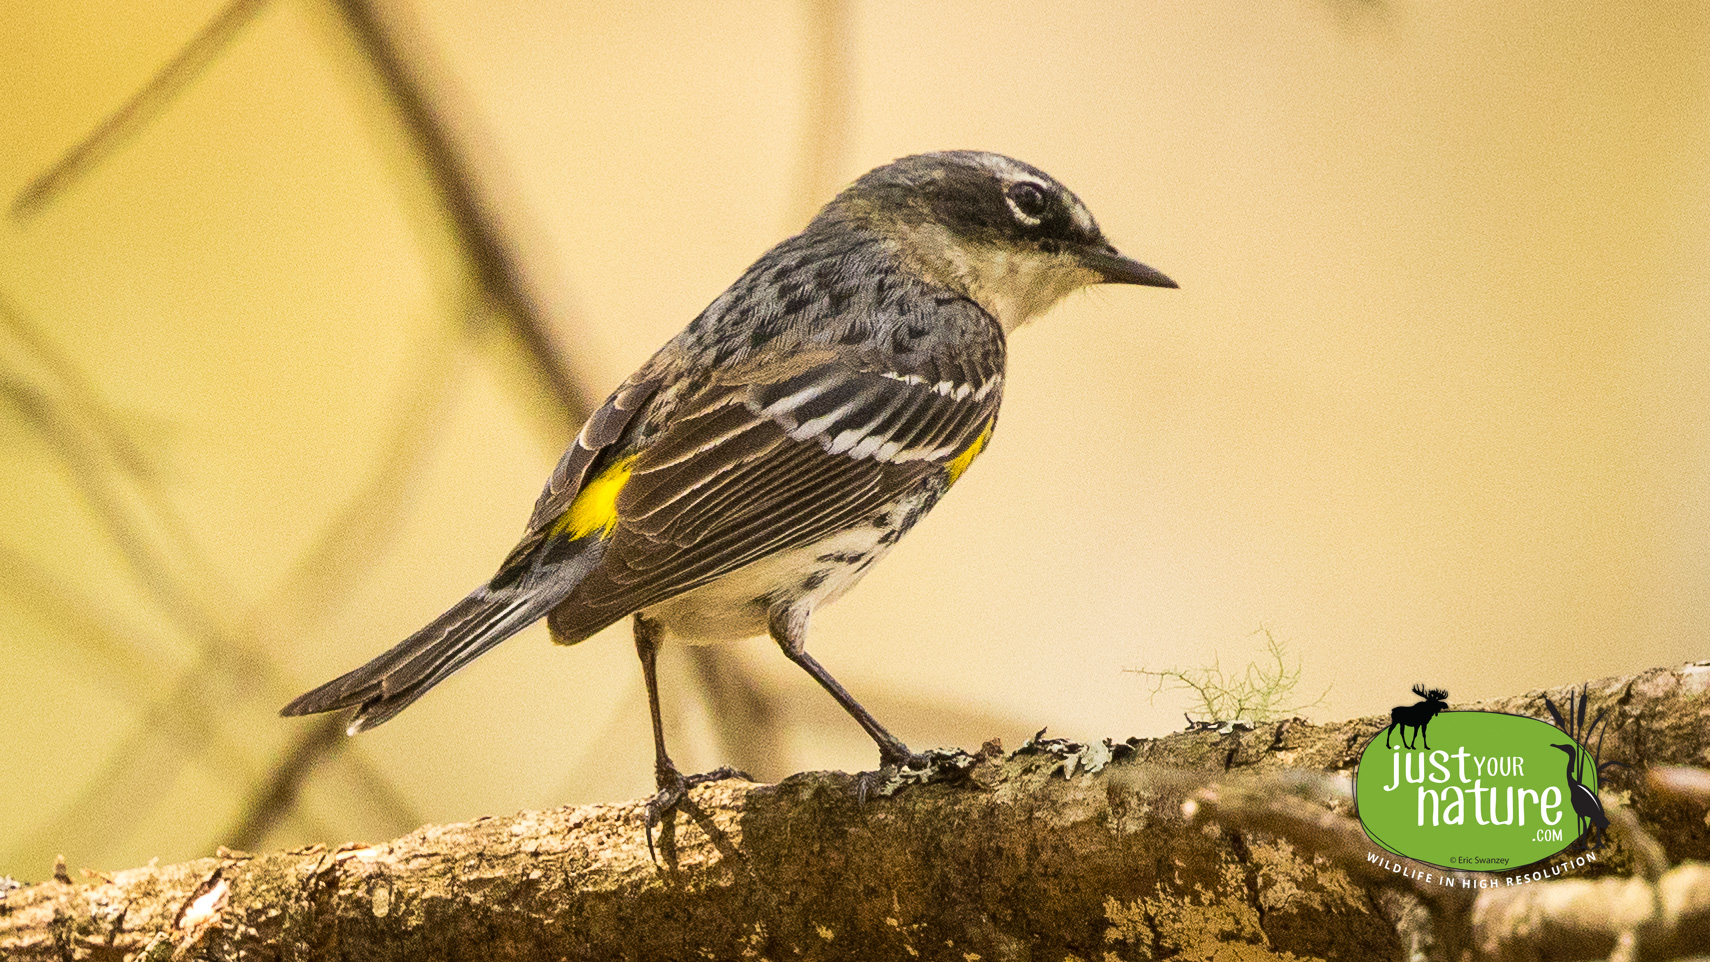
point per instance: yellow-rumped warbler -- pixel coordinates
(756, 466)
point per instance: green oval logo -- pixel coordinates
(1486, 792)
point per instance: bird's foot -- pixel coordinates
(898, 769)
(673, 789)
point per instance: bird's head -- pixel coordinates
(1571, 750)
(999, 231)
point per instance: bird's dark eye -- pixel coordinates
(1028, 199)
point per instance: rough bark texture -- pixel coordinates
(1196, 846)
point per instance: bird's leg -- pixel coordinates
(673, 785)
(789, 630)
(647, 637)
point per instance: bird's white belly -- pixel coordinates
(738, 604)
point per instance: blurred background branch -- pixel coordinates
(136, 112)
(510, 265)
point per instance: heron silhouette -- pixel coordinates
(1586, 805)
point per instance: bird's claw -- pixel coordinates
(673, 788)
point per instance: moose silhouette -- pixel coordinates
(1586, 805)
(1416, 716)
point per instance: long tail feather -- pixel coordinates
(390, 683)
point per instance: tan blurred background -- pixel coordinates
(1431, 405)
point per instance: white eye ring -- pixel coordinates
(1027, 201)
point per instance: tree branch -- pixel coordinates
(1194, 846)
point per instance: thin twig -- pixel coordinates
(489, 239)
(745, 714)
(274, 798)
(112, 474)
(829, 71)
(118, 126)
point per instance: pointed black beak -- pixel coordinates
(1113, 268)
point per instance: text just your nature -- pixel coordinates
(1448, 805)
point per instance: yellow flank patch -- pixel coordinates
(960, 462)
(595, 507)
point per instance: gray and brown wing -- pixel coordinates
(528, 584)
(774, 463)
(599, 434)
